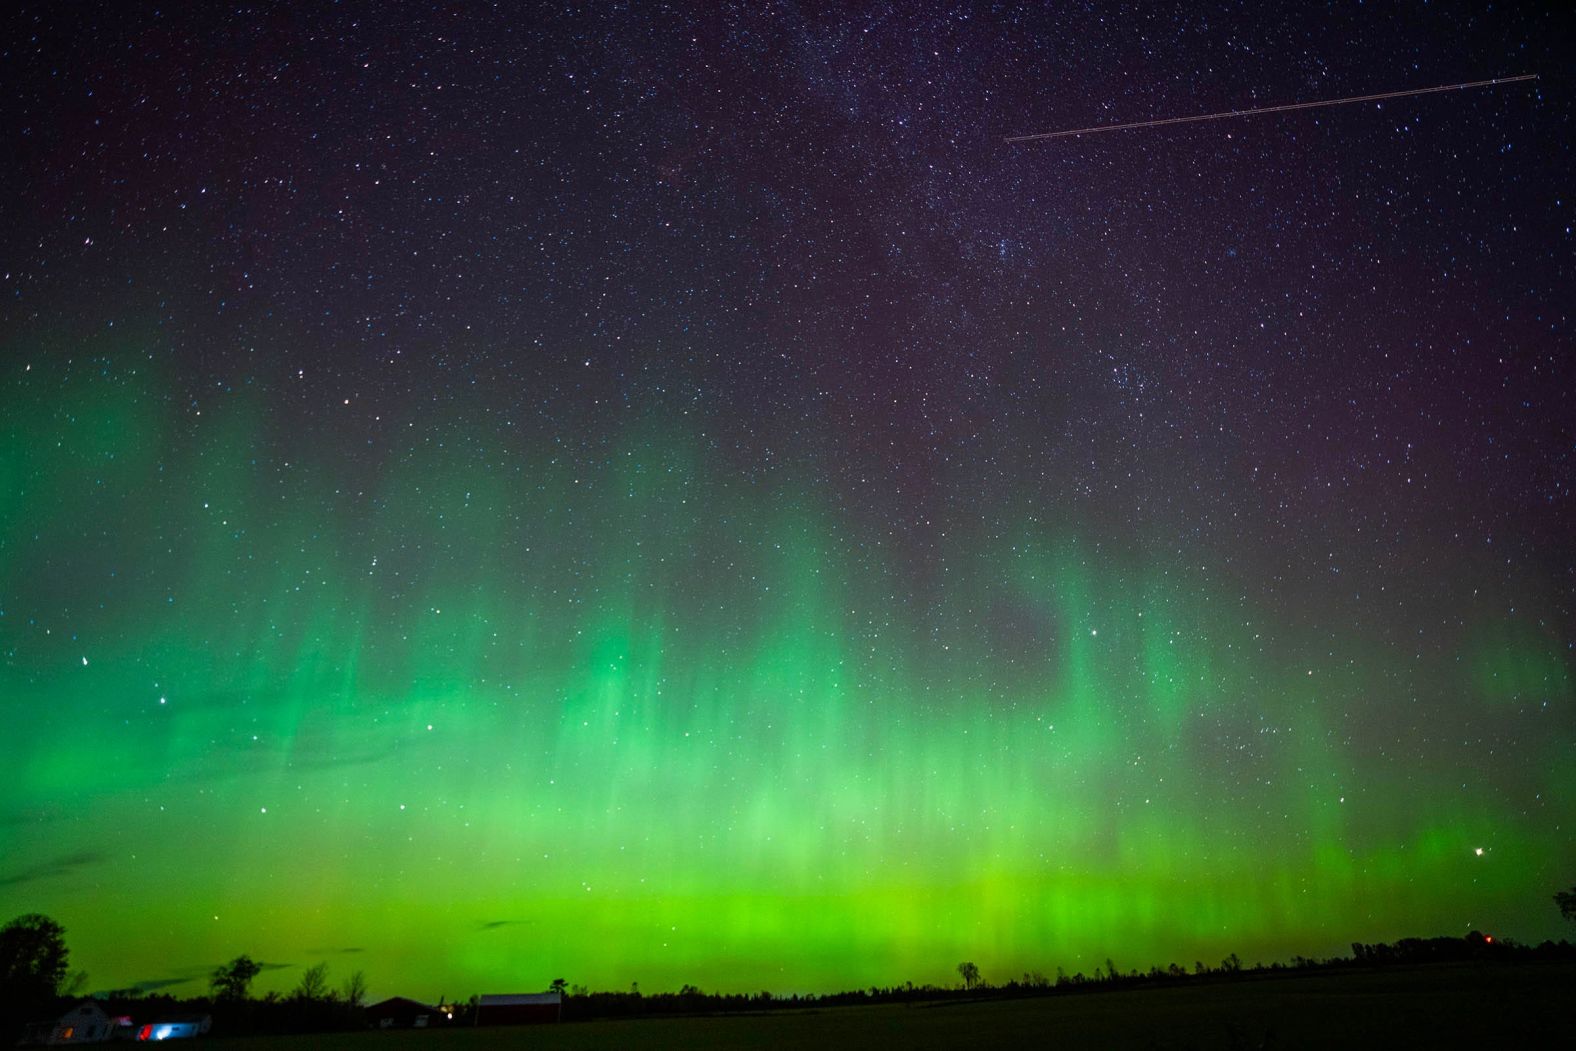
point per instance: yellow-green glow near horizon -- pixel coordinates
(496, 713)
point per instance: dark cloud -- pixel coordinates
(153, 985)
(492, 925)
(261, 966)
(58, 868)
(150, 985)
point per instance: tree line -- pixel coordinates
(581, 1004)
(36, 982)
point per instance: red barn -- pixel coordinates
(519, 1008)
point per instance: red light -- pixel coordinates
(1489, 939)
(145, 1033)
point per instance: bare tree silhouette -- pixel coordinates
(354, 989)
(313, 984)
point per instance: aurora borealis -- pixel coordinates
(667, 495)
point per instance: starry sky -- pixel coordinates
(665, 493)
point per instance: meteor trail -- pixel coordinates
(1271, 109)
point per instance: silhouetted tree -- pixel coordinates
(33, 959)
(313, 984)
(1566, 900)
(969, 973)
(232, 980)
(559, 986)
(354, 989)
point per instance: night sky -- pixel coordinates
(665, 494)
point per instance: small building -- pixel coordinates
(519, 1008)
(397, 1012)
(86, 1023)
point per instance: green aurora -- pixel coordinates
(481, 708)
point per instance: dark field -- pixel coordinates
(1522, 1006)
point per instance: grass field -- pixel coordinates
(1519, 1006)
